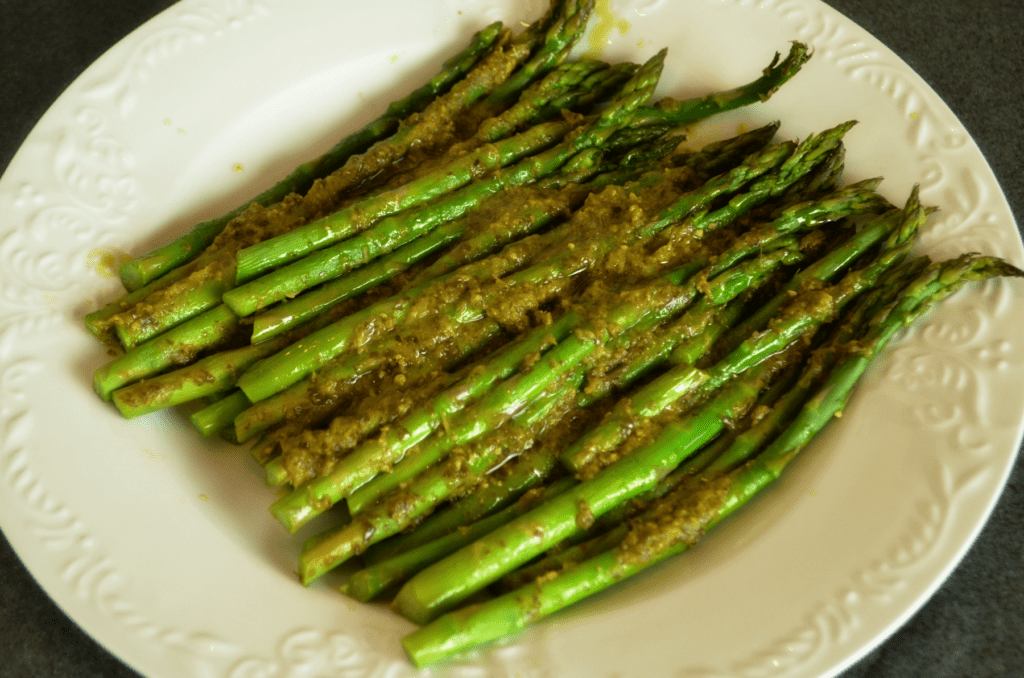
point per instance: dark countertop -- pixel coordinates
(970, 52)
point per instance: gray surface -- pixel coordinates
(970, 52)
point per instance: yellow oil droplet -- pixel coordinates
(602, 31)
(814, 493)
(239, 167)
(394, 58)
(167, 122)
(155, 456)
(107, 262)
(181, 131)
(640, 43)
(913, 116)
(203, 497)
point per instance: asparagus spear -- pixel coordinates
(368, 242)
(305, 503)
(396, 512)
(894, 225)
(368, 583)
(803, 313)
(192, 300)
(170, 348)
(565, 87)
(218, 416)
(211, 375)
(806, 155)
(565, 23)
(536, 214)
(527, 471)
(738, 448)
(476, 624)
(509, 397)
(286, 368)
(422, 598)
(184, 385)
(538, 211)
(100, 322)
(141, 270)
(329, 550)
(203, 288)
(612, 528)
(775, 75)
(671, 111)
(448, 582)
(176, 347)
(319, 234)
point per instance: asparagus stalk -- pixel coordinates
(211, 375)
(773, 179)
(737, 449)
(203, 288)
(566, 22)
(714, 158)
(396, 512)
(567, 84)
(291, 313)
(368, 583)
(511, 395)
(176, 347)
(671, 111)
(527, 471)
(805, 157)
(539, 211)
(425, 596)
(171, 348)
(329, 550)
(366, 242)
(322, 233)
(288, 367)
(448, 582)
(208, 277)
(218, 416)
(802, 315)
(775, 75)
(563, 559)
(146, 268)
(473, 625)
(297, 508)
(100, 322)
(305, 503)
(893, 225)
(307, 396)
(611, 528)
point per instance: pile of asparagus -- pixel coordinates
(524, 341)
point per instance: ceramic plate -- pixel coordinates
(159, 544)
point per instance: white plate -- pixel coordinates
(161, 547)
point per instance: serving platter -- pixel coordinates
(161, 547)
